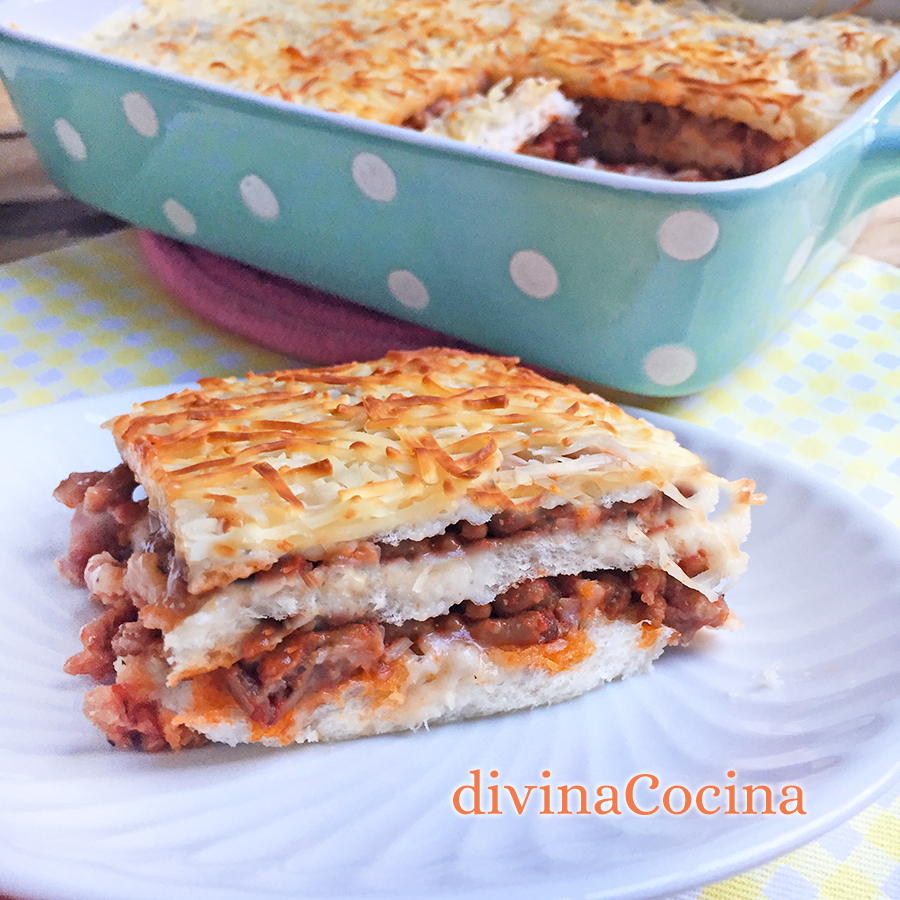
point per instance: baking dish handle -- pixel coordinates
(876, 176)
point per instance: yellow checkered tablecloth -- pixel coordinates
(91, 319)
(825, 391)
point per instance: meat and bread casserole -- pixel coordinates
(675, 89)
(327, 553)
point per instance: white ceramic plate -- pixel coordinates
(808, 693)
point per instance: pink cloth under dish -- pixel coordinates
(277, 313)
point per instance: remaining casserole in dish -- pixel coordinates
(675, 85)
(328, 553)
(646, 284)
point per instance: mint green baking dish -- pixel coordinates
(658, 288)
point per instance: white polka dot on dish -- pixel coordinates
(533, 274)
(800, 258)
(688, 235)
(408, 289)
(374, 177)
(670, 364)
(69, 139)
(140, 114)
(258, 197)
(182, 220)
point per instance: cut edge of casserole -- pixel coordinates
(677, 89)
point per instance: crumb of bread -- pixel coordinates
(770, 677)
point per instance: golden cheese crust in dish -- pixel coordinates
(329, 553)
(411, 62)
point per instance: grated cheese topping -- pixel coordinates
(505, 117)
(389, 60)
(244, 472)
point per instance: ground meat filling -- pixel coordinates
(649, 138)
(104, 516)
(270, 681)
(626, 133)
(128, 563)
(124, 712)
(560, 141)
(649, 511)
(271, 684)
(107, 519)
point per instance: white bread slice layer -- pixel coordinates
(429, 585)
(456, 679)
